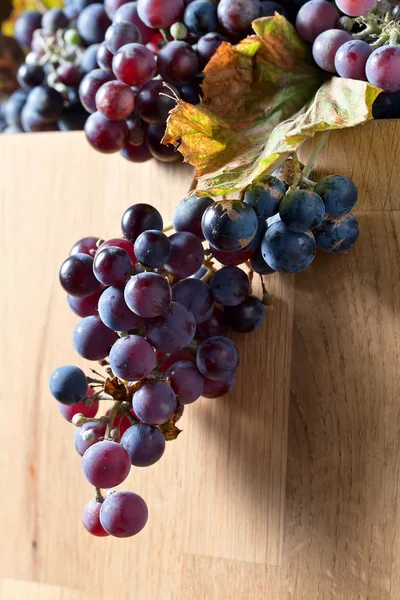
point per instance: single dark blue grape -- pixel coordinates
(139, 218)
(119, 34)
(152, 105)
(93, 23)
(265, 197)
(269, 9)
(68, 384)
(77, 277)
(88, 60)
(73, 118)
(92, 339)
(47, 102)
(132, 358)
(259, 265)
(216, 324)
(339, 194)
(236, 16)
(189, 213)
(200, 17)
(229, 225)
(154, 403)
(13, 108)
(31, 121)
(195, 295)
(172, 330)
(29, 76)
(337, 235)
(27, 22)
(301, 210)
(190, 93)
(114, 312)
(207, 46)
(112, 266)
(387, 105)
(53, 20)
(247, 316)
(153, 248)
(287, 251)
(217, 358)
(230, 286)
(144, 444)
(186, 381)
(187, 254)
(160, 151)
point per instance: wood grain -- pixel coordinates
(216, 499)
(228, 465)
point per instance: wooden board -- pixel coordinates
(216, 498)
(228, 465)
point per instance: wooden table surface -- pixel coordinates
(318, 390)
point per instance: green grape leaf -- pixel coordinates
(262, 99)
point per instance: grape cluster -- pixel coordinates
(155, 311)
(361, 44)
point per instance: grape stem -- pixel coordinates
(111, 417)
(314, 155)
(98, 495)
(168, 227)
(210, 272)
(251, 276)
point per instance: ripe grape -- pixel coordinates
(387, 106)
(89, 411)
(88, 60)
(134, 64)
(106, 464)
(238, 257)
(188, 214)
(287, 251)
(104, 135)
(98, 430)
(76, 276)
(230, 286)
(153, 102)
(351, 59)
(355, 8)
(53, 20)
(112, 266)
(32, 121)
(236, 16)
(214, 388)
(114, 312)
(111, 6)
(137, 131)
(136, 154)
(13, 108)
(207, 46)
(194, 295)
(93, 23)
(229, 225)
(120, 34)
(152, 248)
(86, 245)
(25, 25)
(301, 210)
(85, 307)
(383, 68)
(128, 13)
(161, 152)
(200, 17)
(216, 324)
(46, 102)
(69, 74)
(92, 339)
(187, 254)
(325, 47)
(264, 198)
(166, 360)
(217, 358)
(269, 8)
(339, 194)
(190, 93)
(91, 519)
(132, 358)
(257, 239)
(89, 87)
(139, 218)
(104, 58)
(337, 235)
(247, 316)
(315, 17)
(148, 294)
(154, 402)
(144, 444)
(30, 76)
(172, 330)
(68, 384)
(186, 381)
(177, 63)
(120, 243)
(259, 265)
(123, 514)
(160, 14)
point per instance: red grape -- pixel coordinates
(91, 519)
(115, 100)
(106, 464)
(383, 68)
(120, 34)
(351, 59)
(104, 135)
(325, 47)
(314, 17)
(120, 243)
(123, 514)
(177, 63)
(89, 87)
(355, 8)
(160, 14)
(134, 64)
